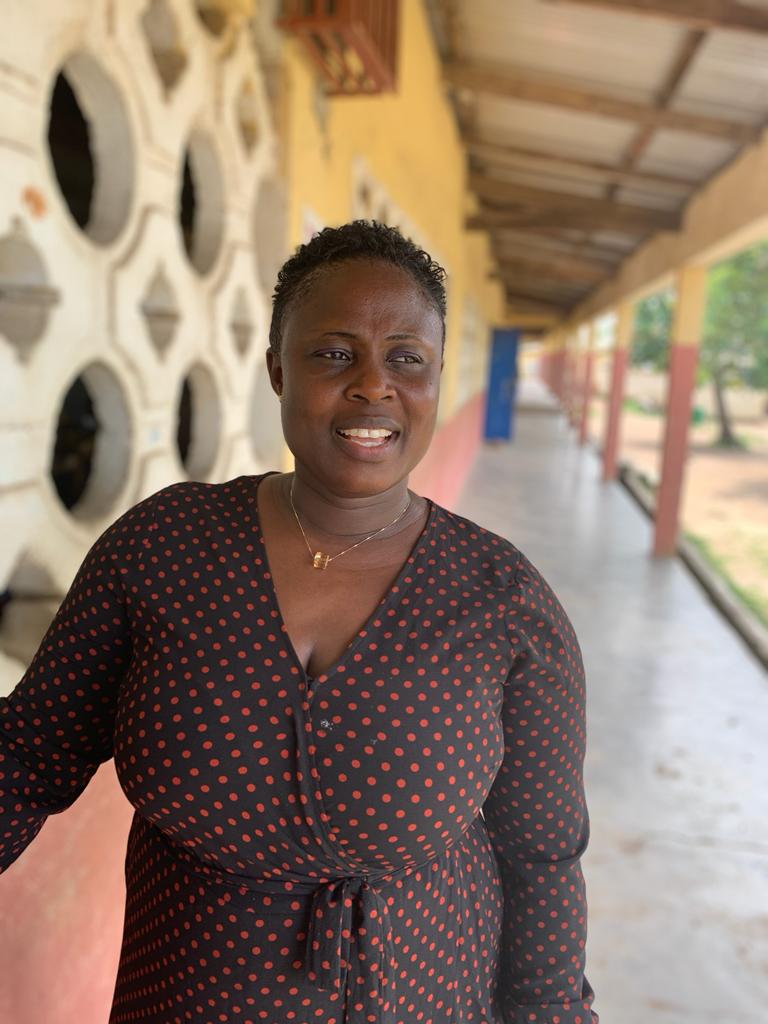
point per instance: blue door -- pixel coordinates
(500, 402)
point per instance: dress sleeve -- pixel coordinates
(537, 818)
(56, 725)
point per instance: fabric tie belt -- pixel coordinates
(341, 908)
(327, 961)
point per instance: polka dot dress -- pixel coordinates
(396, 841)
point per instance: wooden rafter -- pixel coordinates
(703, 14)
(542, 287)
(540, 206)
(576, 272)
(582, 220)
(683, 60)
(530, 305)
(521, 85)
(545, 246)
(582, 170)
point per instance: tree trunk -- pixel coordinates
(727, 437)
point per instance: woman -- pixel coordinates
(312, 683)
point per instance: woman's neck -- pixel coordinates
(331, 515)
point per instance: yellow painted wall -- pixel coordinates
(410, 145)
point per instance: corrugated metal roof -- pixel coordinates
(729, 77)
(584, 103)
(559, 132)
(602, 47)
(686, 153)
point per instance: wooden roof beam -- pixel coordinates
(544, 246)
(585, 170)
(517, 84)
(576, 272)
(525, 303)
(702, 14)
(545, 289)
(565, 220)
(563, 210)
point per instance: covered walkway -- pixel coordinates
(677, 763)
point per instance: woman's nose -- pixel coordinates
(371, 383)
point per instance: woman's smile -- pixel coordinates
(372, 435)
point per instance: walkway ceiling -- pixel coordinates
(588, 125)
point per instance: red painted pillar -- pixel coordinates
(556, 371)
(545, 367)
(622, 345)
(588, 359)
(572, 396)
(561, 374)
(683, 356)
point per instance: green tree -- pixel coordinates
(734, 344)
(734, 347)
(650, 338)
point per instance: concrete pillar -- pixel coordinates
(558, 382)
(625, 322)
(588, 357)
(691, 288)
(572, 378)
(560, 372)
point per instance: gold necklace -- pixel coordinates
(320, 560)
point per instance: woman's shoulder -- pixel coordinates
(192, 500)
(504, 565)
(204, 495)
(495, 558)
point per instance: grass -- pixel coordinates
(633, 405)
(752, 599)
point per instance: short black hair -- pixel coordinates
(357, 240)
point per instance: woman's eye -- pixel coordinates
(405, 357)
(334, 354)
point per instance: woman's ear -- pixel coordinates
(275, 371)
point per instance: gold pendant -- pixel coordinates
(320, 561)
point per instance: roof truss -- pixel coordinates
(702, 14)
(552, 239)
(516, 84)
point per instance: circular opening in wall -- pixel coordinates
(270, 231)
(241, 322)
(92, 446)
(213, 14)
(247, 110)
(161, 311)
(199, 422)
(263, 421)
(162, 33)
(201, 203)
(91, 147)
(26, 294)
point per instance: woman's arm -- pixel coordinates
(56, 725)
(537, 818)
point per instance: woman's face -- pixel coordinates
(361, 350)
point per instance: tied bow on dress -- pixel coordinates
(341, 908)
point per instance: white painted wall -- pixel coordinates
(121, 302)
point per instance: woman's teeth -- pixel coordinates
(369, 438)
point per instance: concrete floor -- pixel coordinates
(677, 735)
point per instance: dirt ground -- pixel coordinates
(725, 493)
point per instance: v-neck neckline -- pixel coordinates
(364, 630)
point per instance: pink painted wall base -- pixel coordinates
(442, 472)
(61, 912)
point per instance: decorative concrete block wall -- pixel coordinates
(141, 223)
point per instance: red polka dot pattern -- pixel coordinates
(313, 850)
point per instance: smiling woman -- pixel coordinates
(363, 801)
